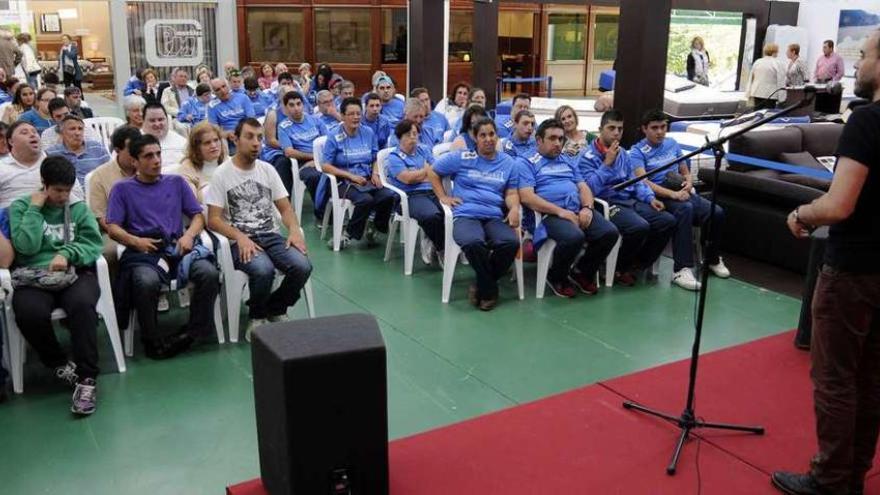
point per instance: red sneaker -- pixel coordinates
(528, 252)
(562, 289)
(625, 279)
(586, 284)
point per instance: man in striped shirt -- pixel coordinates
(84, 155)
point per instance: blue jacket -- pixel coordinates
(601, 178)
(195, 108)
(133, 84)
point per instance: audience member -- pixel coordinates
(38, 115)
(178, 93)
(58, 109)
(455, 105)
(133, 105)
(156, 124)
(9, 52)
(4, 146)
(258, 99)
(236, 81)
(477, 97)
(414, 111)
(576, 141)
(638, 214)
(205, 152)
(296, 136)
(7, 254)
(195, 109)
(267, 76)
(144, 214)
(465, 138)
(521, 142)
(329, 113)
(153, 89)
(485, 187)
(73, 97)
(57, 243)
(392, 107)
(244, 195)
(521, 101)
(228, 109)
(84, 155)
(435, 120)
(552, 185)
(375, 120)
(135, 84)
(350, 155)
(24, 100)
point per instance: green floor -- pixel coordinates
(186, 426)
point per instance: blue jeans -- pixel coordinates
(490, 246)
(295, 266)
(379, 200)
(600, 237)
(690, 214)
(424, 208)
(645, 232)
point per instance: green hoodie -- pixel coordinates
(37, 234)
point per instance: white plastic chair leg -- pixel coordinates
(392, 232)
(450, 255)
(520, 279)
(611, 264)
(310, 298)
(338, 223)
(328, 210)
(234, 290)
(218, 321)
(545, 259)
(411, 240)
(108, 312)
(15, 343)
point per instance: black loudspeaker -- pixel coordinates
(321, 401)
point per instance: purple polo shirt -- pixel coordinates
(152, 210)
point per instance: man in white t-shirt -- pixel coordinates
(156, 124)
(20, 171)
(240, 202)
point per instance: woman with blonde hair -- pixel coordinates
(205, 151)
(768, 79)
(698, 62)
(575, 140)
(797, 73)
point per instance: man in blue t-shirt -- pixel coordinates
(521, 142)
(505, 123)
(415, 112)
(328, 113)
(639, 216)
(228, 109)
(435, 120)
(195, 109)
(552, 185)
(296, 135)
(392, 107)
(144, 214)
(675, 188)
(373, 118)
(258, 99)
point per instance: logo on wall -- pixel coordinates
(174, 42)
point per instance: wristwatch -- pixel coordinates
(797, 219)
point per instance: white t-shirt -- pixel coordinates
(247, 196)
(173, 149)
(17, 180)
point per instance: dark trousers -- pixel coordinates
(425, 208)
(146, 287)
(645, 232)
(70, 80)
(307, 173)
(33, 309)
(599, 236)
(275, 255)
(490, 246)
(764, 104)
(690, 214)
(845, 356)
(379, 201)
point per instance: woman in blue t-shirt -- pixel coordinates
(350, 155)
(485, 207)
(465, 139)
(407, 168)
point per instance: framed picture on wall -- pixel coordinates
(50, 23)
(343, 36)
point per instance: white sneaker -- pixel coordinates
(685, 279)
(253, 324)
(164, 305)
(183, 297)
(720, 269)
(343, 243)
(370, 234)
(278, 318)
(428, 250)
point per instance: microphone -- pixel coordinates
(833, 88)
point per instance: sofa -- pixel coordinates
(757, 201)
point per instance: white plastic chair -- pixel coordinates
(14, 342)
(236, 282)
(545, 259)
(441, 149)
(337, 207)
(297, 190)
(452, 251)
(409, 226)
(104, 126)
(448, 135)
(611, 260)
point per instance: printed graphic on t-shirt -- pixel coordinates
(250, 207)
(56, 231)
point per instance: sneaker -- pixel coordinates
(85, 398)
(278, 318)
(67, 374)
(586, 284)
(488, 304)
(343, 243)
(427, 249)
(797, 484)
(473, 297)
(253, 324)
(529, 255)
(168, 347)
(183, 297)
(370, 234)
(164, 305)
(685, 279)
(626, 279)
(720, 269)
(562, 289)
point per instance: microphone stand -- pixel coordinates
(687, 421)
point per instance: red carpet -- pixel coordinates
(583, 441)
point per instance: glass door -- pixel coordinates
(515, 48)
(566, 48)
(602, 50)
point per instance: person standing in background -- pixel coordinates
(797, 73)
(10, 55)
(768, 78)
(29, 64)
(829, 67)
(68, 62)
(698, 62)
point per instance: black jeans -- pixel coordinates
(146, 286)
(33, 314)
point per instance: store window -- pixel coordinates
(721, 33)
(461, 35)
(275, 34)
(164, 35)
(343, 36)
(565, 36)
(606, 37)
(394, 36)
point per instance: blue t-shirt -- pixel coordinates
(554, 179)
(601, 178)
(4, 223)
(645, 155)
(393, 110)
(329, 121)
(480, 183)
(398, 161)
(4, 97)
(194, 108)
(427, 138)
(33, 117)
(269, 152)
(514, 147)
(300, 135)
(228, 113)
(381, 127)
(356, 154)
(438, 123)
(260, 103)
(505, 125)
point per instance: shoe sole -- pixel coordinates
(781, 488)
(553, 290)
(581, 289)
